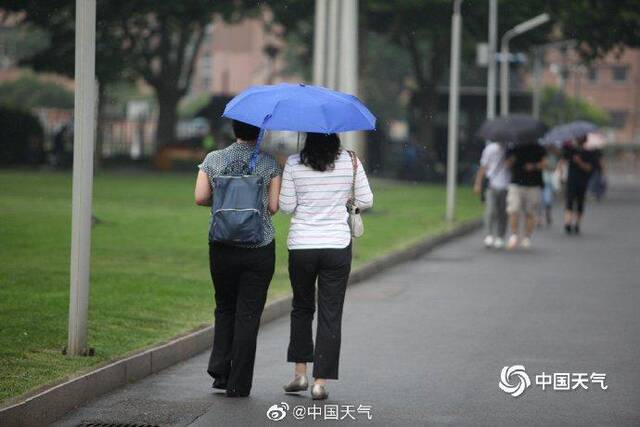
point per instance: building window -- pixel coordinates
(619, 72)
(206, 83)
(618, 118)
(592, 74)
(205, 64)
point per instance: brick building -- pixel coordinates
(612, 83)
(234, 56)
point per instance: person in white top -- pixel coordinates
(494, 167)
(316, 185)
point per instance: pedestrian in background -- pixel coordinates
(548, 191)
(526, 161)
(493, 166)
(581, 164)
(241, 273)
(598, 181)
(316, 186)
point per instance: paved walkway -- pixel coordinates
(424, 343)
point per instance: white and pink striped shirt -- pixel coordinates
(318, 202)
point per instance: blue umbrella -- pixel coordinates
(300, 107)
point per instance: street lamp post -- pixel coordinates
(83, 146)
(504, 56)
(454, 87)
(491, 70)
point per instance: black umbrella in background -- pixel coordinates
(568, 132)
(513, 128)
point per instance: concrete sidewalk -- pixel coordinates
(424, 343)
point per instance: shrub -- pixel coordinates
(21, 137)
(29, 92)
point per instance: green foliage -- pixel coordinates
(190, 106)
(23, 41)
(20, 137)
(28, 91)
(149, 271)
(384, 86)
(420, 30)
(154, 40)
(600, 26)
(557, 108)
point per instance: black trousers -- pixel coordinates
(331, 267)
(575, 196)
(241, 278)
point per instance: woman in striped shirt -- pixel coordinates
(316, 185)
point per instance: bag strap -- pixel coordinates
(354, 165)
(253, 160)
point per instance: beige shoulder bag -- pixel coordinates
(355, 219)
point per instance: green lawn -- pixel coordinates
(150, 278)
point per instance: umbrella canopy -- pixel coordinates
(568, 132)
(557, 136)
(300, 107)
(595, 141)
(512, 128)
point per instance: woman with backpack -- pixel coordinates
(317, 185)
(241, 266)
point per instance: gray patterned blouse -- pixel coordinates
(234, 160)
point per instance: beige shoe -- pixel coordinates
(299, 383)
(319, 392)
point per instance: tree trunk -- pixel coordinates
(167, 117)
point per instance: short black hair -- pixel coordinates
(321, 150)
(245, 131)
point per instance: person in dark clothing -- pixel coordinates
(598, 182)
(527, 161)
(241, 273)
(580, 164)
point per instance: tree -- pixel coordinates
(27, 92)
(557, 108)
(157, 41)
(422, 29)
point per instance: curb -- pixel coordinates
(53, 403)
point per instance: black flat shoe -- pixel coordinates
(220, 383)
(576, 229)
(568, 229)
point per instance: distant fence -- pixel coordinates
(125, 137)
(117, 136)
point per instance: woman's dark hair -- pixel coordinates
(245, 131)
(320, 151)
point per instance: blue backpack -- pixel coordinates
(238, 206)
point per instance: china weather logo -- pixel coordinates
(514, 380)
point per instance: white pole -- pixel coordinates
(333, 37)
(504, 56)
(454, 86)
(83, 145)
(320, 43)
(537, 81)
(504, 76)
(348, 64)
(491, 70)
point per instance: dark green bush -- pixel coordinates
(21, 137)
